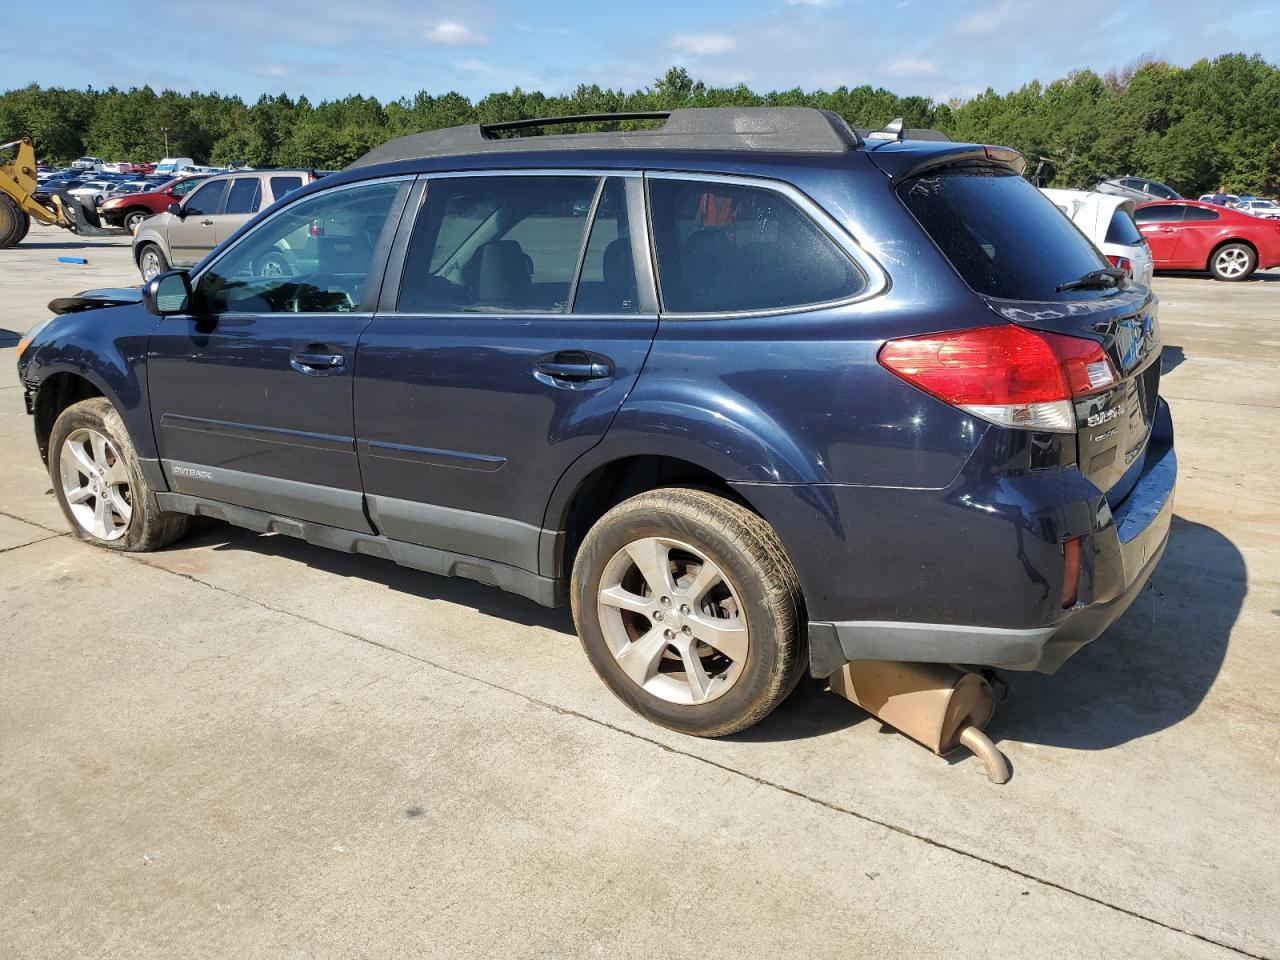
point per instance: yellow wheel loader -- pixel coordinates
(18, 204)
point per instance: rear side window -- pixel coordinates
(497, 245)
(282, 185)
(1002, 235)
(1122, 229)
(1165, 213)
(1160, 190)
(608, 280)
(728, 248)
(1199, 213)
(245, 195)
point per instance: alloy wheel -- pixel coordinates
(150, 265)
(1232, 262)
(96, 484)
(673, 621)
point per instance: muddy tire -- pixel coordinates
(13, 222)
(99, 486)
(689, 610)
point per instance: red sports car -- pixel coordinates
(1189, 235)
(131, 209)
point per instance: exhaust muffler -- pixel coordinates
(935, 704)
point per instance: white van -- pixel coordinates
(173, 166)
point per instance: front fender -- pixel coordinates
(108, 348)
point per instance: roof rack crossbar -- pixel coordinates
(576, 118)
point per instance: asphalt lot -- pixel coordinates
(246, 746)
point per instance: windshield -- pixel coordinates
(1004, 237)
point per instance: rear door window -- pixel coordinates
(1122, 229)
(732, 248)
(607, 284)
(1199, 213)
(1002, 235)
(502, 244)
(245, 195)
(1164, 213)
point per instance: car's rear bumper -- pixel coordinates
(1121, 549)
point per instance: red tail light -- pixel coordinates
(1122, 263)
(1007, 374)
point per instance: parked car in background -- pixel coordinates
(131, 209)
(94, 191)
(131, 186)
(1138, 188)
(698, 408)
(209, 214)
(172, 166)
(1189, 235)
(1229, 199)
(1268, 209)
(1107, 220)
(87, 163)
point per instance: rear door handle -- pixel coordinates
(574, 371)
(206, 223)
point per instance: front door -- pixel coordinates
(1161, 226)
(520, 320)
(251, 394)
(193, 234)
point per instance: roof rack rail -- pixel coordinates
(767, 129)
(575, 118)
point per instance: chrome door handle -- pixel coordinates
(316, 364)
(574, 371)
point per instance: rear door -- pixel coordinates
(193, 234)
(251, 394)
(507, 339)
(243, 200)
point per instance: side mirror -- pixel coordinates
(176, 210)
(168, 293)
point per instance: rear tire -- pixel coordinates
(688, 609)
(99, 486)
(151, 261)
(14, 223)
(1233, 262)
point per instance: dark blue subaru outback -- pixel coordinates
(756, 393)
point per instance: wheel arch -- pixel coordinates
(58, 392)
(1213, 252)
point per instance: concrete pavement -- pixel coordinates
(248, 746)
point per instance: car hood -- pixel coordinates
(96, 299)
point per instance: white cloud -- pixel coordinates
(275, 70)
(825, 4)
(912, 67)
(452, 33)
(703, 44)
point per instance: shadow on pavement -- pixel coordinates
(1260, 275)
(1171, 358)
(1148, 672)
(487, 600)
(1153, 667)
(121, 241)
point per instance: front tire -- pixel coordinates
(688, 609)
(13, 222)
(133, 219)
(1233, 262)
(151, 261)
(102, 492)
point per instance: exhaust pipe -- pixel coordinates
(938, 705)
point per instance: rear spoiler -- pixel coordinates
(902, 160)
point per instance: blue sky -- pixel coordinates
(393, 48)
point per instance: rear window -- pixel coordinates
(282, 185)
(1002, 235)
(1199, 213)
(1122, 229)
(727, 248)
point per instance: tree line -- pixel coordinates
(1213, 123)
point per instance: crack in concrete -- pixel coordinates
(733, 771)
